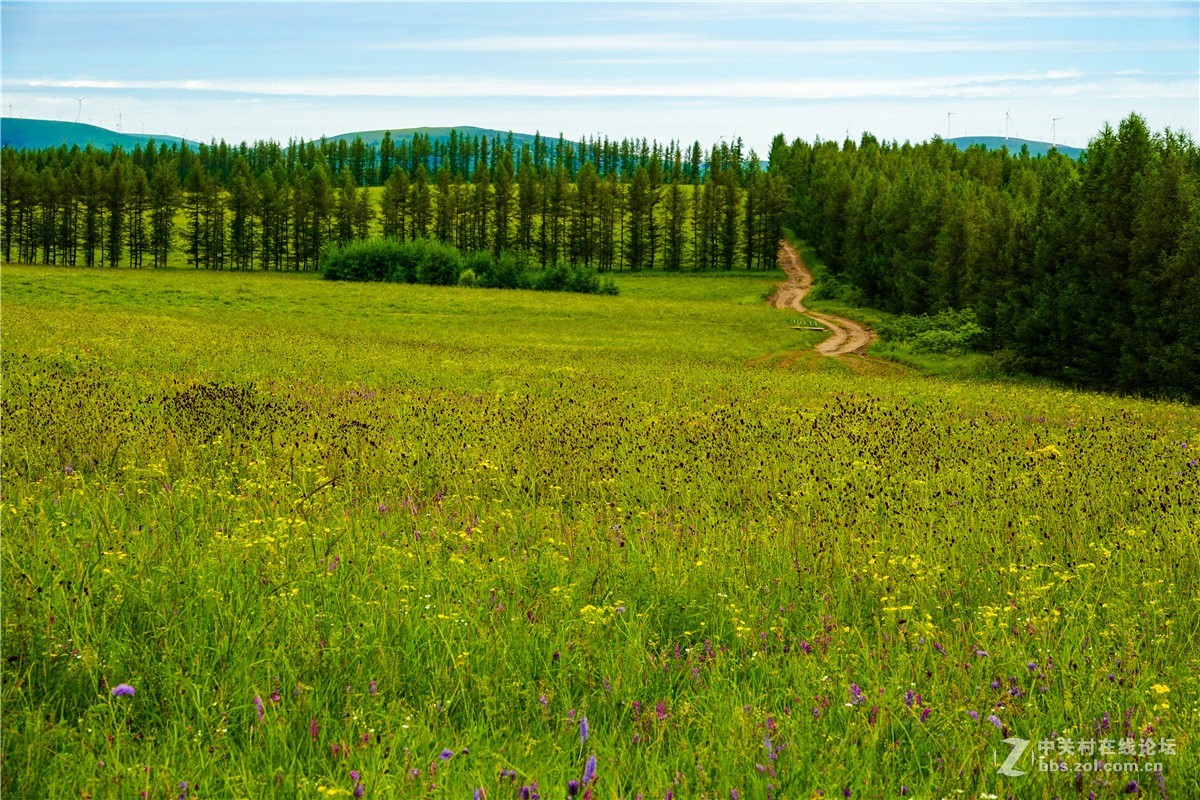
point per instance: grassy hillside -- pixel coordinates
(1014, 145)
(35, 134)
(402, 541)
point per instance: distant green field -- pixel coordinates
(400, 541)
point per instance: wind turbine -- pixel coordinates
(79, 111)
(1006, 125)
(1054, 131)
(949, 114)
(120, 118)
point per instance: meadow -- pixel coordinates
(270, 536)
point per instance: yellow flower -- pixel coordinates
(1160, 688)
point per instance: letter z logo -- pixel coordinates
(1018, 749)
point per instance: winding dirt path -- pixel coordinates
(849, 337)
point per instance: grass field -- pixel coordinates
(401, 541)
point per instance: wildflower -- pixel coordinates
(806, 647)
(996, 683)
(660, 710)
(981, 653)
(258, 707)
(1131, 787)
(123, 690)
(992, 718)
(856, 695)
(1160, 688)
(183, 790)
(313, 730)
(354, 776)
(275, 698)
(543, 701)
(480, 794)
(925, 712)
(359, 789)
(583, 730)
(373, 689)
(733, 794)
(589, 770)
(873, 715)
(973, 715)
(446, 754)
(572, 787)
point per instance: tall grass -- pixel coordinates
(402, 540)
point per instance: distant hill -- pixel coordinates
(1014, 145)
(437, 134)
(35, 134)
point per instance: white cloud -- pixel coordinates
(1025, 84)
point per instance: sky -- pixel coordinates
(682, 70)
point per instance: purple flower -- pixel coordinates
(354, 776)
(856, 695)
(733, 794)
(1131, 787)
(373, 688)
(543, 701)
(903, 790)
(123, 690)
(909, 697)
(480, 794)
(981, 653)
(583, 730)
(992, 718)
(258, 707)
(313, 730)
(572, 787)
(806, 647)
(446, 754)
(358, 790)
(973, 715)
(925, 712)
(589, 770)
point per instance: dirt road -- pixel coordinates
(848, 336)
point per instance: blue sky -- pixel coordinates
(671, 70)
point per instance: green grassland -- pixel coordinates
(401, 540)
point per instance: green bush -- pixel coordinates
(947, 332)
(364, 260)
(439, 264)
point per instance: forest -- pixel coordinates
(607, 205)
(1085, 271)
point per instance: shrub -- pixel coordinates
(440, 264)
(364, 260)
(948, 332)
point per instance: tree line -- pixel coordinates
(1086, 271)
(605, 205)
